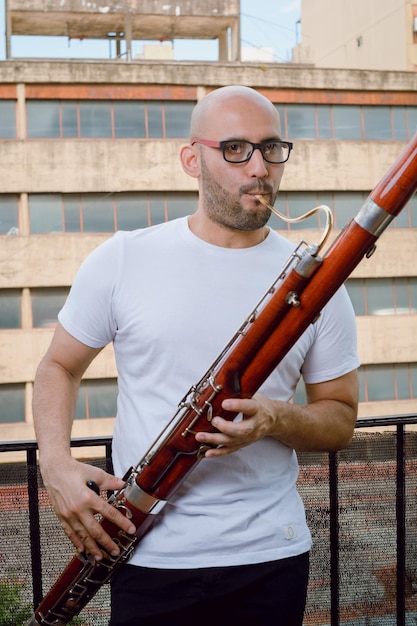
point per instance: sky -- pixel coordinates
(271, 24)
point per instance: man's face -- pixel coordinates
(228, 190)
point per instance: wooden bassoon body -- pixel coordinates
(292, 303)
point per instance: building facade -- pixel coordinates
(371, 35)
(90, 147)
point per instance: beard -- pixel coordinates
(225, 208)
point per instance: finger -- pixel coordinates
(82, 524)
(247, 406)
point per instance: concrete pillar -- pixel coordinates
(235, 41)
(21, 125)
(224, 55)
(128, 36)
(24, 220)
(8, 23)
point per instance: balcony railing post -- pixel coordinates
(401, 531)
(34, 525)
(334, 538)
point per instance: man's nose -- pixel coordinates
(257, 164)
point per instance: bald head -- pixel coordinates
(228, 102)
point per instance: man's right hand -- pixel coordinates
(76, 505)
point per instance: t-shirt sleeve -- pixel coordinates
(334, 351)
(88, 313)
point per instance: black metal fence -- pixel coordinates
(361, 506)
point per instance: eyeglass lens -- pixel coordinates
(240, 151)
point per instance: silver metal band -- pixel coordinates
(372, 218)
(142, 500)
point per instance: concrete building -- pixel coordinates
(352, 34)
(88, 147)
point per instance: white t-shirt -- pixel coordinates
(170, 302)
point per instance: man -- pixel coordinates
(233, 542)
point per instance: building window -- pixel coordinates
(10, 308)
(354, 122)
(46, 304)
(301, 122)
(12, 403)
(43, 118)
(383, 296)
(344, 205)
(108, 119)
(7, 119)
(387, 382)
(106, 213)
(377, 122)
(96, 398)
(9, 216)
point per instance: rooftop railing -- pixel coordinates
(361, 506)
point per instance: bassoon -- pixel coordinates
(291, 304)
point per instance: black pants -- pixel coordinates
(268, 593)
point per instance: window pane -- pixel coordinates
(7, 119)
(398, 122)
(324, 120)
(361, 380)
(81, 407)
(347, 122)
(43, 119)
(377, 122)
(401, 295)
(12, 403)
(72, 213)
(132, 211)
(413, 374)
(129, 119)
(69, 119)
(347, 205)
(402, 219)
(280, 109)
(155, 120)
(356, 291)
(98, 214)
(301, 121)
(299, 203)
(379, 296)
(45, 212)
(102, 398)
(412, 121)
(157, 208)
(412, 207)
(181, 204)
(10, 311)
(46, 303)
(9, 221)
(403, 382)
(177, 119)
(413, 294)
(95, 119)
(380, 382)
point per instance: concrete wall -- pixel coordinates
(355, 34)
(259, 75)
(69, 165)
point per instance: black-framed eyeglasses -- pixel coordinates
(240, 150)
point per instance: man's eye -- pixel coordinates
(235, 148)
(272, 147)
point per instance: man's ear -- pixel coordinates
(190, 161)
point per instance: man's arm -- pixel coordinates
(326, 422)
(54, 399)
